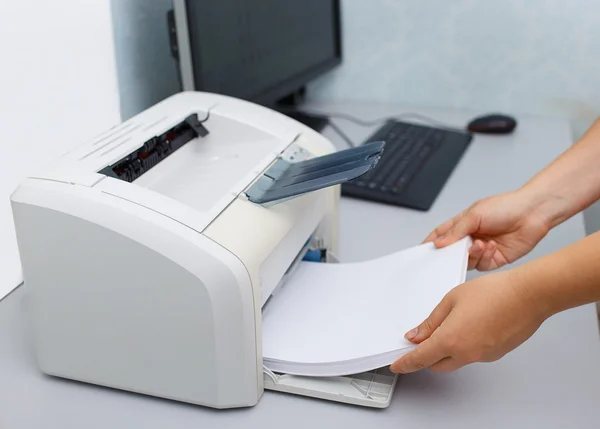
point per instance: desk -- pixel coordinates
(552, 381)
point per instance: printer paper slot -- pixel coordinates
(158, 148)
(372, 389)
(287, 179)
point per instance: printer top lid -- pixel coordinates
(84, 163)
(166, 159)
(199, 179)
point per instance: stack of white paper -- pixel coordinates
(348, 318)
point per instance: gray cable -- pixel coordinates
(372, 123)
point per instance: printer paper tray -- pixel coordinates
(370, 389)
(286, 179)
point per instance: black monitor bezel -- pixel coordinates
(273, 95)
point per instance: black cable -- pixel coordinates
(207, 115)
(342, 134)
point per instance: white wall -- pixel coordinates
(514, 56)
(147, 73)
(537, 56)
(58, 87)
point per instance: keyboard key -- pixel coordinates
(399, 187)
(398, 171)
(410, 172)
(425, 151)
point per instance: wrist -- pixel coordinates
(550, 284)
(526, 287)
(546, 207)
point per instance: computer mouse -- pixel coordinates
(493, 124)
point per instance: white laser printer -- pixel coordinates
(149, 252)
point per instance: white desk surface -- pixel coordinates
(552, 381)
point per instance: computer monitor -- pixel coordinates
(261, 51)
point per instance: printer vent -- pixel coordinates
(164, 118)
(115, 133)
(117, 137)
(112, 141)
(152, 151)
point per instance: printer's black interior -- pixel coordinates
(155, 150)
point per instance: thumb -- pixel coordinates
(435, 319)
(464, 226)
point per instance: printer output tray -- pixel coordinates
(286, 179)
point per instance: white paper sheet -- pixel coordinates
(347, 318)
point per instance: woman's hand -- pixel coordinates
(504, 228)
(478, 321)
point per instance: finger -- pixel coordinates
(435, 319)
(486, 262)
(499, 259)
(440, 230)
(447, 364)
(475, 253)
(466, 225)
(427, 353)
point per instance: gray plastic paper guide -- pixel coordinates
(286, 179)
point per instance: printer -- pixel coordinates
(150, 251)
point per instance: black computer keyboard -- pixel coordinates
(416, 163)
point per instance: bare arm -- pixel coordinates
(571, 182)
(565, 279)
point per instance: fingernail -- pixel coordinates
(411, 334)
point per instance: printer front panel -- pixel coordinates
(125, 297)
(197, 181)
(269, 239)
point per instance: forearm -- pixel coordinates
(565, 279)
(570, 183)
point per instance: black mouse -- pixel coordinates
(493, 124)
